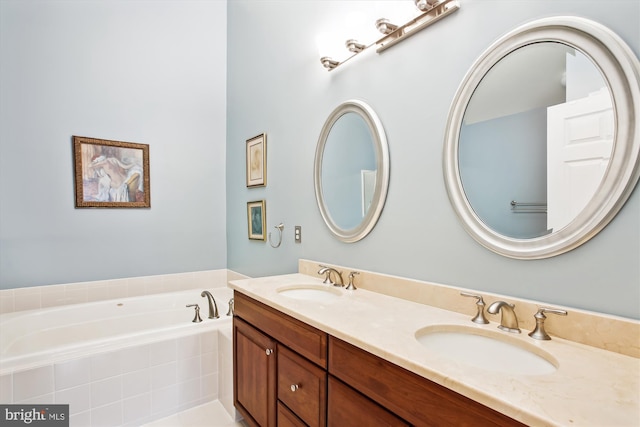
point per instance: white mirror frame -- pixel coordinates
(621, 70)
(382, 170)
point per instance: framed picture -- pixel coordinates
(257, 161)
(256, 220)
(111, 174)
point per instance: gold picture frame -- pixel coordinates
(256, 155)
(256, 220)
(111, 174)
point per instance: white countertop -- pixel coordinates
(591, 387)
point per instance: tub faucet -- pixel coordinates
(327, 279)
(509, 321)
(213, 307)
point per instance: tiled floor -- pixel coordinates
(210, 414)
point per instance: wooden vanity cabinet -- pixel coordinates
(411, 397)
(292, 378)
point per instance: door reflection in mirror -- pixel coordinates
(539, 128)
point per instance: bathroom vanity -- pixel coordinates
(289, 373)
(308, 354)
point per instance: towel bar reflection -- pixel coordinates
(528, 207)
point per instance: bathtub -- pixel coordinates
(32, 337)
(139, 358)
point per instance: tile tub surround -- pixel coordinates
(133, 385)
(599, 330)
(18, 299)
(591, 386)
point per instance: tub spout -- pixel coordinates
(213, 307)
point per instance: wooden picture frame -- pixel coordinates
(256, 220)
(256, 156)
(111, 174)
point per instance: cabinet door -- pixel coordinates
(254, 375)
(348, 408)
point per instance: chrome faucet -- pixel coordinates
(213, 307)
(509, 321)
(539, 333)
(327, 279)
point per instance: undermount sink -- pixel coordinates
(486, 349)
(310, 292)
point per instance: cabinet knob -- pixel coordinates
(294, 387)
(268, 351)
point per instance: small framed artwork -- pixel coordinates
(257, 161)
(111, 174)
(256, 220)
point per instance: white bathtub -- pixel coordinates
(38, 337)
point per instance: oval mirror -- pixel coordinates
(351, 170)
(542, 146)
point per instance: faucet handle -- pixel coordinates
(543, 310)
(231, 304)
(196, 318)
(351, 286)
(539, 333)
(327, 272)
(479, 317)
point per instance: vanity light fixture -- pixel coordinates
(425, 5)
(329, 63)
(433, 11)
(385, 27)
(430, 11)
(355, 47)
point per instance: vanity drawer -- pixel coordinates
(300, 337)
(302, 387)
(410, 396)
(348, 408)
(286, 418)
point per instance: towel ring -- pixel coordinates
(280, 227)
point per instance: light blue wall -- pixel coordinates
(154, 72)
(277, 85)
(149, 72)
